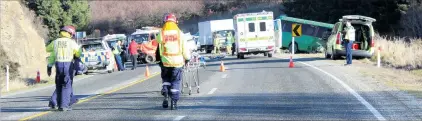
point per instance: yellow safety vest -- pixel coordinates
(172, 48)
(65, 49)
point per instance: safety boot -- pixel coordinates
(173, 105)
(165, 101)
(52, 107)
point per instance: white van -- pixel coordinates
(254, 33)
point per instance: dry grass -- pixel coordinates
(398, 53)
(21, 45)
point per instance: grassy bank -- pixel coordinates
(400, 53)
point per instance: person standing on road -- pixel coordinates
(116, 51)
(174, 53)
(63, 50)
(216, 44)
(133, 51)
(349, 39)
(229, 43)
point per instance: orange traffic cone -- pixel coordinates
(291, 64)
(222, 69)
(38, 78)
(146, 71)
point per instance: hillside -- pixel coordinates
(21, 44)
(108, 16)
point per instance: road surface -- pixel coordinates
(256, 88)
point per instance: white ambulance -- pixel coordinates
(254, 34)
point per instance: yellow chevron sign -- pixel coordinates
(296, 30)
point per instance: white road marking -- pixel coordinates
(212, 91)
(178, 118)
(224, 76)
(353, 92)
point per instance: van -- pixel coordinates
(363, 46)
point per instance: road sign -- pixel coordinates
(296, 30)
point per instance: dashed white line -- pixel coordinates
(224, 76)
(178, 118)
(353, 92)
(212, 91)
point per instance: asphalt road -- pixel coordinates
(256, 88)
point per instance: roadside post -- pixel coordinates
(296, 32)
(379, 57)
(7, 78)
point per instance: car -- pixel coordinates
(97, 55)
(363, 46)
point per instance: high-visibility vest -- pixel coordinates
(350, 33)
(65, 49)
(172, 48)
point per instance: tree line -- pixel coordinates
(58, 13)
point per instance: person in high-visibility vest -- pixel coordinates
(349, 39)
(116, 51)
(230, 40)
(174, 53)
(63, 51)
(216, 44)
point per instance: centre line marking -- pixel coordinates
(212, 91)
(353, 92)
(178, 118)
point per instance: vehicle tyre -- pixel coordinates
(238, 56)
(333, 55)
(110, 71)
(270, 55)
(149, 59)
(242, 56)
(327, 55)
(291, 47)
(266, 54)
(209, 51)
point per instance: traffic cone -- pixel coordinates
(146, 71)
(38, 78)
(291, 64)
(222, 69)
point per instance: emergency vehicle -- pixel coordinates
(97, 55)
(254, 34)
(142, 36)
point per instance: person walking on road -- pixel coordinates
(133, 51)
(63, 50)
(349, 39)
(116, 51)
(73, 100)
(174, 53)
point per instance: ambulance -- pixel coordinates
(254, 34)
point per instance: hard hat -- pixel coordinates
(170, 17)
(69, 29)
